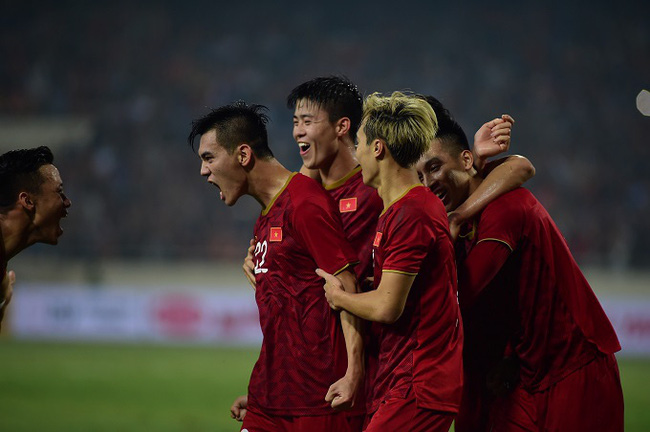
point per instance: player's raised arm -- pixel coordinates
(501, 175)
(491, 139)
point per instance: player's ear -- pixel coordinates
(378, 148)
(342, 126)
(245, 155)
(26, 201)
(467, 159)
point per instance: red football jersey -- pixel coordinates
(359, 206)
(423, 348)
(303, 350)
(539, 300)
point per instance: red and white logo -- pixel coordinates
(377, 239)
(276, 234)
(348, 205)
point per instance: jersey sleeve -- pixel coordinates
(502, 221)
(407, 242)
(320, 229)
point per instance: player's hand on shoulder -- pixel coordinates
(493, 138)
(249, 264)
(239, 408)
(341, 394)
(333, 287)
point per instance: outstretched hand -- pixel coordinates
(333, 287)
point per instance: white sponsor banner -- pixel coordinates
(198, 315)
(631, 320)
(135, 314)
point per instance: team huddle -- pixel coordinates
(403, 280)
(409, 282)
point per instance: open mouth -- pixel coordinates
(442, 194)
(220, 192)
(304, 147)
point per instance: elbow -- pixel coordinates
(388, 314)
(523, 168)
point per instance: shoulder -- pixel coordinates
(307, 195)
(517, 201)
(419, 205)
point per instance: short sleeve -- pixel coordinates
(407, 241)
(502, 221)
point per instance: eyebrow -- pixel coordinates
(432, 161)
(205, 154)
(304, 115)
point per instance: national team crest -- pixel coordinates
(276, 234)
(348, 205)
(377, 239)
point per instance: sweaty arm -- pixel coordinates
(479, 268)
(503, 175)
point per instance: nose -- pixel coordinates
(429, 181)
(204, 169)
(298, 130)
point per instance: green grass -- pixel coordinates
(103, 387)
(52, 387)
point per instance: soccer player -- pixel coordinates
(32, 204)
(419, 377)
(327, 113)
(539, 350)
(305, 349)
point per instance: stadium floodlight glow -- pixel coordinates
(643, 102)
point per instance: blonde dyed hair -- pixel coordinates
(406, 123)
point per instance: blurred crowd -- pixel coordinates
(142, 72)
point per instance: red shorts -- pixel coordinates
(404, 415)
(590, 399)
(338, 421)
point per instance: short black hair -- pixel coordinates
(450, 133)
(19, 172)
(335, 94)
(235, 124)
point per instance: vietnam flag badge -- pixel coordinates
(377, 239)
(276, 234)
(348, 205)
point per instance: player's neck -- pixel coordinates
(395, 182)
(341, 165)
(474, 183)
(266, 180)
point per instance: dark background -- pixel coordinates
(141, 72)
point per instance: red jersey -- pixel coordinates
(359, 206)
(423, 348)
(303, 350)
(541, 305)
